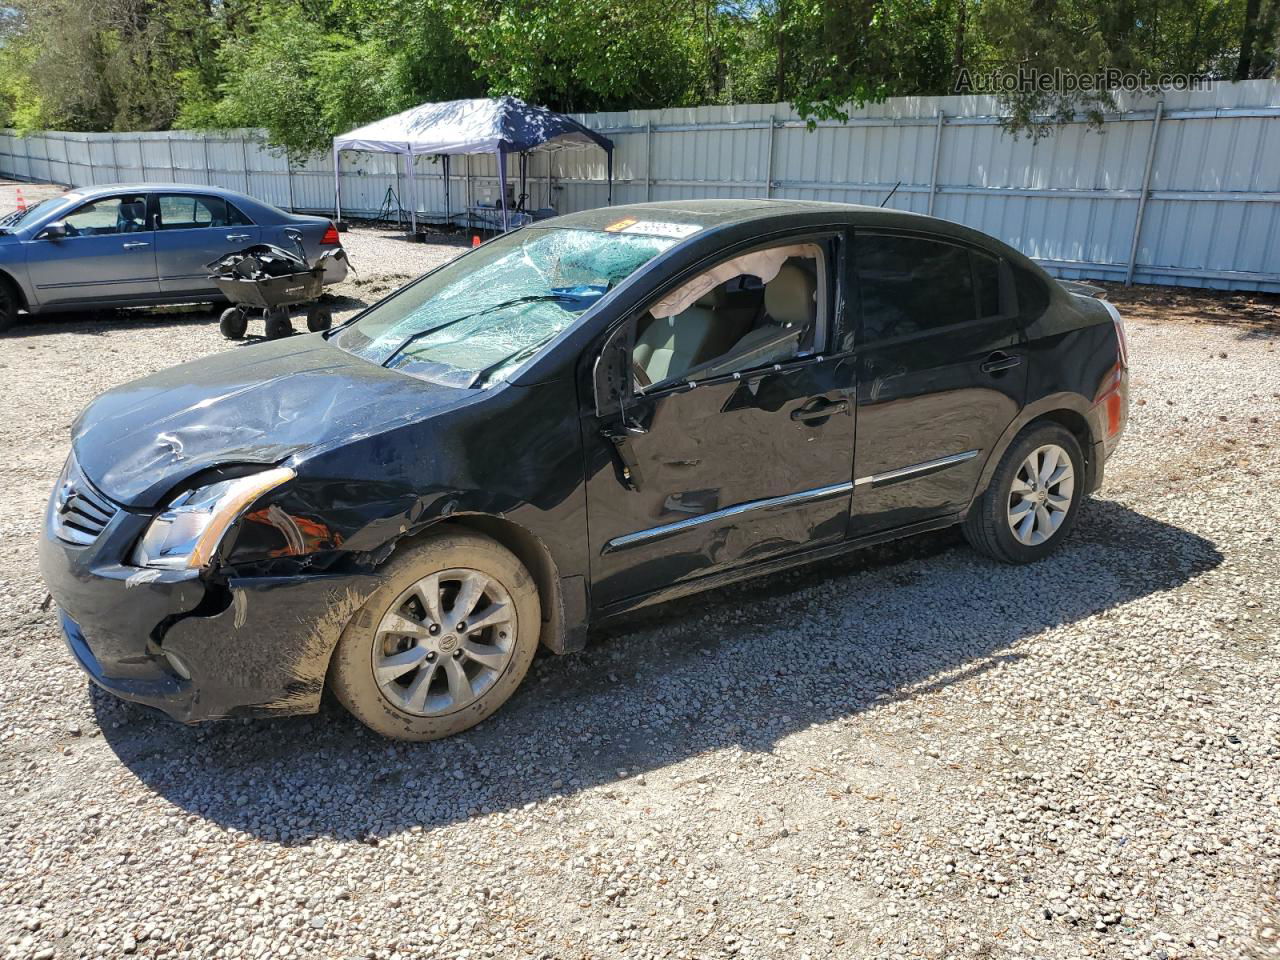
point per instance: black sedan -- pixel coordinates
(603, 411)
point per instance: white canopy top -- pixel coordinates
(469, 126)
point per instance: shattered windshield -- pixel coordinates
(492, 309)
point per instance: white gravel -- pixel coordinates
(912, 754)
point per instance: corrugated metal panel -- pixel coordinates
(1212, 215)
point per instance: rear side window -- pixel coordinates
(986, 278)
(910, 285)
(181, 211)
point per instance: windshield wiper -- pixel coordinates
(517, 301)
(521, 354)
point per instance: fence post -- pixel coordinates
(768, 168)
(208, 173)
(1142, 197)
(244, 158)
(115, 158)
(648, 159)
(288, 172)
(937, 150)
(26, 153)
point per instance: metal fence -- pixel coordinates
(1180, 189)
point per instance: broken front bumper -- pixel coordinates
(196, 650)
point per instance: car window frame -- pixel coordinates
(828, 240)
(158, 216)
(62, 218)
(1008, 293)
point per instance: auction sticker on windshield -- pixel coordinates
(653, 228)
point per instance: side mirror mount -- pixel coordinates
(612, 373)
(53, 231)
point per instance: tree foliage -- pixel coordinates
(305, 69)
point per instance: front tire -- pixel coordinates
(443, 643)
(319, 317)
(1033, 498)
(233, 323)
(8, 305)
(277, 324)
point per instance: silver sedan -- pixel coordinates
(128, 245)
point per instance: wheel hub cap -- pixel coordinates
(1041, 495)
(424, 670)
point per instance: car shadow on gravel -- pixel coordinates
(101, 322)
(741, 666)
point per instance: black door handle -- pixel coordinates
(1000, 361)
(819, 409)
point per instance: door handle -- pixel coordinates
(136, 244)
(819, 409)
(1000, 361)
(237, 237)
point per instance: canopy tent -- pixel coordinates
(502, 126)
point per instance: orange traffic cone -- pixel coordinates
(22, 203)
(475, 240)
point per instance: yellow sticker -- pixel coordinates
(620, 225)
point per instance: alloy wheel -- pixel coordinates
(444, 642)
(1041, 494)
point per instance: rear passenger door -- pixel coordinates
(191, 230)
(941, 374)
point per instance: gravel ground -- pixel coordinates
(911, 753)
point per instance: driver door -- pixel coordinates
(108, 254)
(734, 443)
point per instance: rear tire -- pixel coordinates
(278, 324)
(319, 317)
(233, 323)
(1033, 498)
(410, 666)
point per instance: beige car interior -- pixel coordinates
(755, 309)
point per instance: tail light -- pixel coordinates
(1120, 335)
(330, 238)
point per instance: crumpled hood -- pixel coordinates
(256, 404)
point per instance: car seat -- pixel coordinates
(670, 346)
(131, 216)
(790, 306)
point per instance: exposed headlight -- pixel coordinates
(188, 531)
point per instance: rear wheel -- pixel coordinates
(233, 323)
(1031, 503)
(319, 317)
(442, 643)
(278, 324)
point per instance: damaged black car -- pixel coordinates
(576, 419)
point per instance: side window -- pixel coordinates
(180, 211)
(909, 285)
(126, 214)
(763, 307)
(986, 278)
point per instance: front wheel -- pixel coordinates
(233, 323)
(319, 317)
(443, 643)
(278, 324)
(8, 305)
(1031, 503)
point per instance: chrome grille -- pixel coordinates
(80, 512)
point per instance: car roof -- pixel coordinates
(106, 189)
(709, 214)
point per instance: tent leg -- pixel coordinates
(413, 194)
(448, 215)
(502, 187)
(337, 188)
(609, 166)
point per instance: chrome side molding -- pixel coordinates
(769, 503)
(915, 470)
